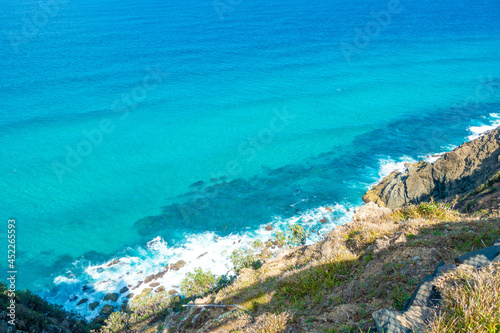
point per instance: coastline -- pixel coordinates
(132, 271)
(100, 299)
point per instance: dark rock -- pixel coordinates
(124, 290)
(172, 292)
(124, 307)
(99, 320)
(154, 284)
(481, 257)
(83, 300)
(178, 265)
(201, 255)
(130, 295)
(455, 173)
(323, 220)
(269, 227)
(87, 288)
(73, 298)
(111, 297)
(107, 310)
(137, 286)
(160, 289)
(93, 305)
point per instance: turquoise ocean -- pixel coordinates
(158, 131)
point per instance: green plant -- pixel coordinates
(280, 238)
(198, 283)
(297, 235)
(399, 297)
(244, 258)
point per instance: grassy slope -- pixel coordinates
(334, 285)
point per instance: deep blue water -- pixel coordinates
(145, 130)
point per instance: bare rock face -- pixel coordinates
(455, 173)
(370, 212)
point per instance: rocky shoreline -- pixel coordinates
(455, 173)
(379, 262)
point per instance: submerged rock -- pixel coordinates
(93, 305)
(83, 300)
(124, 290)
(106, 310)
(111, 297)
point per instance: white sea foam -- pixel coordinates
(205, 250)
(387, 165)
(477, 131)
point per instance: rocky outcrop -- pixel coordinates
(455, 173)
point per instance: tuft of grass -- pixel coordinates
(272, 323)
(426, 210)
(471, 301)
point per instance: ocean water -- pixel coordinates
(156, 131)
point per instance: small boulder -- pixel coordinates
(93, 305)
(160, 289)
(178, 265)
(83, 300)
(87, 288)
(269, 227)
(99, 320)
(148, 278)
(154, 284)
(323, 220)
(370, 212)
(145, 291)
(172, 292)
(124, 290)
(106, 310)
(130, 295)
(111, 297)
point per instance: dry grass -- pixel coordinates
(471, 301)
(272, 323)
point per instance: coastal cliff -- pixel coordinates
(455, 173)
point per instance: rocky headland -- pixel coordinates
(456, 173)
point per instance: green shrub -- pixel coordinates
(280, 238)
(297, 235)
(198, 283)
(244, 258)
